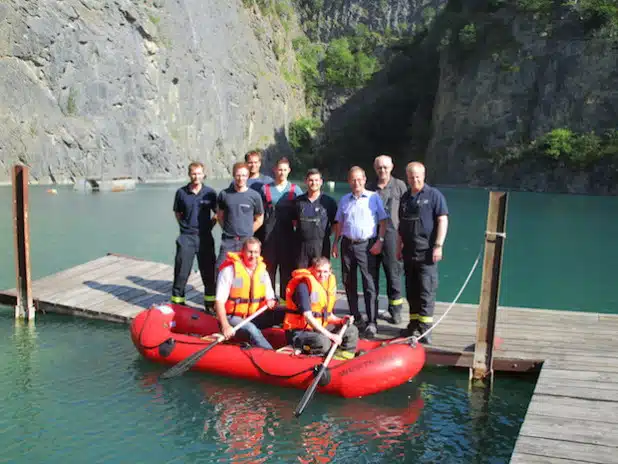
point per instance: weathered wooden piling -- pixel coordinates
(482, 364)
(24, 308)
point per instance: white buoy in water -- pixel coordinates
(331, 185)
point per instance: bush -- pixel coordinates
(346, 68)
(301, 133)
(556, 144)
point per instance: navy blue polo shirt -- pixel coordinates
(195, 209)
(430, 204)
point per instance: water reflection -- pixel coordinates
(255, 423)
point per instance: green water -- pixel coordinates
(76, 391)
(559, 251)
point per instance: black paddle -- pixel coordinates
(311, 390)
(187, 363)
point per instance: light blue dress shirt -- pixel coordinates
(359, 217)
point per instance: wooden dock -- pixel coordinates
(574, 409)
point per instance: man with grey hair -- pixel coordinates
(390, 190)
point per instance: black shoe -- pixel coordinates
(371, 331)
(422, 328)
(360, 323)
(209, 309)
(410, 331)
(395, 312)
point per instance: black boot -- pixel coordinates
(410, 330)
(395, 312)
(422, 328)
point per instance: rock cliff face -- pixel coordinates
(531, 82)
(332, 18)
(120, 87)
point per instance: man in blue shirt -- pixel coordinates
(277, 233)
(194, 209)
(361, 221)
(423, 223)
(240, 212)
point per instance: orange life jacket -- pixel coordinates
(248, 293)
(322, 299)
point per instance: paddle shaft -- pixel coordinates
(312, 388)
(187, 363)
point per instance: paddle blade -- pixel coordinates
(309, 393)
(187, 363)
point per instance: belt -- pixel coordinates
(233, 237)
(357, 241)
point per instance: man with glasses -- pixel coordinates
(361, 223)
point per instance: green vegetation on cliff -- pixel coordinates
(564, 146)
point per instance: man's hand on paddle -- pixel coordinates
(228, 332)
(271, 304)
(335, 338)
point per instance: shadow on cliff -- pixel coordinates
(390, 115)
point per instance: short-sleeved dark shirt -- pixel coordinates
(239, 210)
(427, 204)
(319, 214)
(391, 195)
(195, 209)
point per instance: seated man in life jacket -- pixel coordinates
(243, 287)
(309, 320)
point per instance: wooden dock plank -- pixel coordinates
(577, 430)
(573, 411)
(562, 449)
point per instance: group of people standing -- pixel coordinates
(270, 224)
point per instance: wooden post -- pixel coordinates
(482, 365)
(25, 307)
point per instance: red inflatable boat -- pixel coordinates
(170, 333)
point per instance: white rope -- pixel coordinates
(476, 263)
(496, 234)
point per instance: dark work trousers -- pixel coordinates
(187, 247)
(318, 343)
(233, 244)
(279, 251)
(393, 269)
(356, 256)
(310, 249)
(421, 286)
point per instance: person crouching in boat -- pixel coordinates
(243, 287)
(309, 321)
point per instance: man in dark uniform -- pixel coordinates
(194, 208)
(423, 217)
(315, 215)
(390, 190)
(240, 212)
(279, 240)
